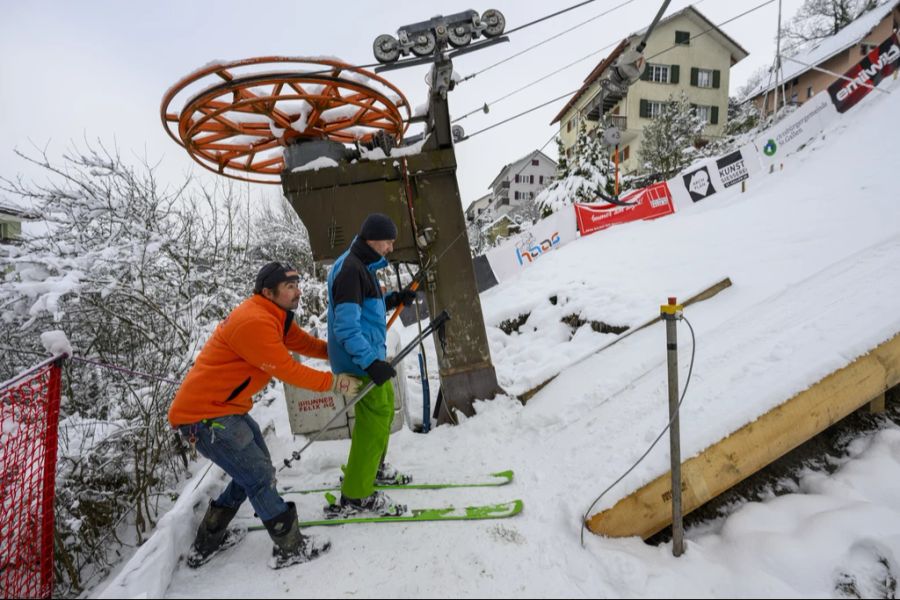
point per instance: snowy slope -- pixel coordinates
(814, 254)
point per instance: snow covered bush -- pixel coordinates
(137, 275)
(581, 179)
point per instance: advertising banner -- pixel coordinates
(875, 66)
(649, 203)
(795, 130)
(732, 169)
(521, 251)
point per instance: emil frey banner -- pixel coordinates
(867, 73)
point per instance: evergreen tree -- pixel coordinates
(586, 178)
(668, 141)
(562, 164)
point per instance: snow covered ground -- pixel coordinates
(814, 255)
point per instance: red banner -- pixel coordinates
(649, 203)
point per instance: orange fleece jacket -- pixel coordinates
(245, 351)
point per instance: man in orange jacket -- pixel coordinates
(211, 409)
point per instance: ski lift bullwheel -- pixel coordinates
(237, 117)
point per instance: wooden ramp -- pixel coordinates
(754, 446)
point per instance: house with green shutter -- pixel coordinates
(686, 52)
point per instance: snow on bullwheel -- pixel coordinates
(236, 118)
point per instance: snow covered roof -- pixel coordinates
(507, 166)
(17, 212)
(498, 221)
(822, 50)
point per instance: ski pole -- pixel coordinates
(433, 326)
(416, 281)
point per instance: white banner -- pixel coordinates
(721, 175)
(795, 130)
(521, 251)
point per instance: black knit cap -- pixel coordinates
(274, 273)
(378, 226)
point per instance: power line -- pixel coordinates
(521, 114)
(540, 79)
(743, 14)
(536, 81)
(704, 32)
(550, 16)
(551, 38)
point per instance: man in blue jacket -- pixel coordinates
(356, 345)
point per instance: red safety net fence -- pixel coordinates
(29, 419)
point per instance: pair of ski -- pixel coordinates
(470, 513)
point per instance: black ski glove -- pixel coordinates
(405, 296)
(380, 371)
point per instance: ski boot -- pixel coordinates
(378, 504)
(291, 546)
(214, 535)
(387, 475)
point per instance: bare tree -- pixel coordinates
(137, 275)
(819, 19)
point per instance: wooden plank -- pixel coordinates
(757, 444)
(704, 295)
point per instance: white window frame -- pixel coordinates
(704, 78)
(705, 113)
(655, 108)
(660, 73)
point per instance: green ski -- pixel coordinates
(470, 513)
(501, 478)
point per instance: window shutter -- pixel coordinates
(714, 117)
(695, 75)
(673, 73)
(645, 76)
(645, 109)
(717, 78)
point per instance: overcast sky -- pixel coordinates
(70, 70)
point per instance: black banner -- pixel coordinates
(699, 184)
(732, 168)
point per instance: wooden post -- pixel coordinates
(876, 406)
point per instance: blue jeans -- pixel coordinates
(235, 443)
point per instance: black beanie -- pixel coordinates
(274, 273)
(378, 226)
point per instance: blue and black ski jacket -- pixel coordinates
(356, 310)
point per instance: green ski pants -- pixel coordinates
(369, 441)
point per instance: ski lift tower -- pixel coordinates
(332, 135)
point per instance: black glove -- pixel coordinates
(380, 371)
(405, 296)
